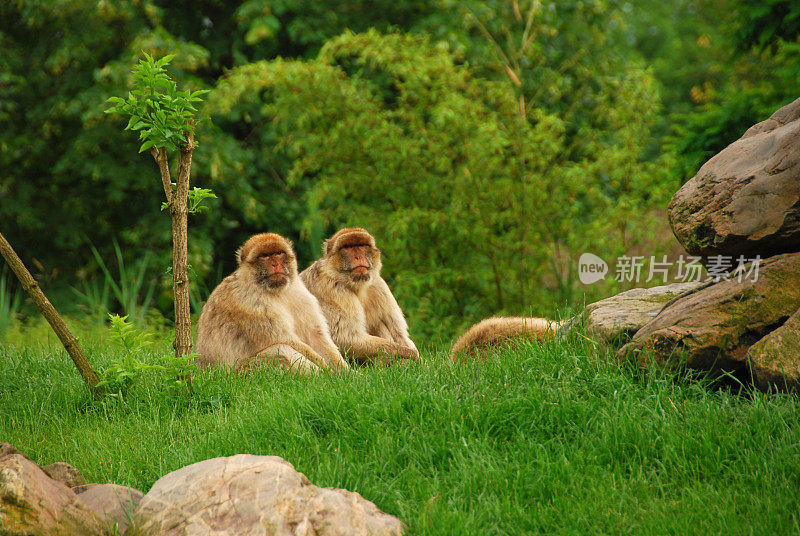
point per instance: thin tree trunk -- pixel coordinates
(180, 252)
(179, 210)
(49, 312)
(160, 155)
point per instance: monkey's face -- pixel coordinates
(352, 255)
(271, 260)
(357, 262)
(273, 268)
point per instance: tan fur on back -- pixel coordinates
(493, 332)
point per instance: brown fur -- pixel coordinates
(493, 332)
(365, 320)
(262, 312)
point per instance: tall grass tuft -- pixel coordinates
(94, 296)
(130, 288)
(10, 303)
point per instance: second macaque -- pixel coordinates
(365, 320)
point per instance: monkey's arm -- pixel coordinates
(310, 354)
(328, 350)
(385, 318)
(402, 338)
(370, 349)
(385, 331)
(311, 326)
(349, 333)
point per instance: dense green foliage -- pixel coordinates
(468, 201)
(750, 67)
(549, 439)
(486, 144)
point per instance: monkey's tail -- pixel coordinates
(493, 332)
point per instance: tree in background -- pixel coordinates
(569, 59)
(60, 150)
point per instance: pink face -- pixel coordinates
(272, 263)
(357, 260)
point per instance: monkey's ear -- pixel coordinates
(241, 255)
(326, 246)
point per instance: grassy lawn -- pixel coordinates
(550, 439)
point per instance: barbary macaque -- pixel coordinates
(365, 320)
(263, 312)
(492, 332)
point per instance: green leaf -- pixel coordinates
(147, 145)
(165, 60)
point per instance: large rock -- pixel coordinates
(617, 318)
(746, 199)
(7, 449)
(64, 473)
(111, 502)
(33, 504)
(775, 359)
(247, 495)
(714, 327)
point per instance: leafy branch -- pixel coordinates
(162, 114)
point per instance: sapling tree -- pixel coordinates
(165, 120)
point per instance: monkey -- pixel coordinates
(365, 320)
(492, 332)
(263, 312)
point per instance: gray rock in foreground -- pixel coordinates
(746, 199)
(33, 504)
(616, 319)
(247, 495)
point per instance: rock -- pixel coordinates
(246, 495)
(33, 504)
(713, 328)
(112, 503)
(775, 359)
(746, 199)
(64, 473)
(617, 318)
(7, 449)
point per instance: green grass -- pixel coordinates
(550, 439)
